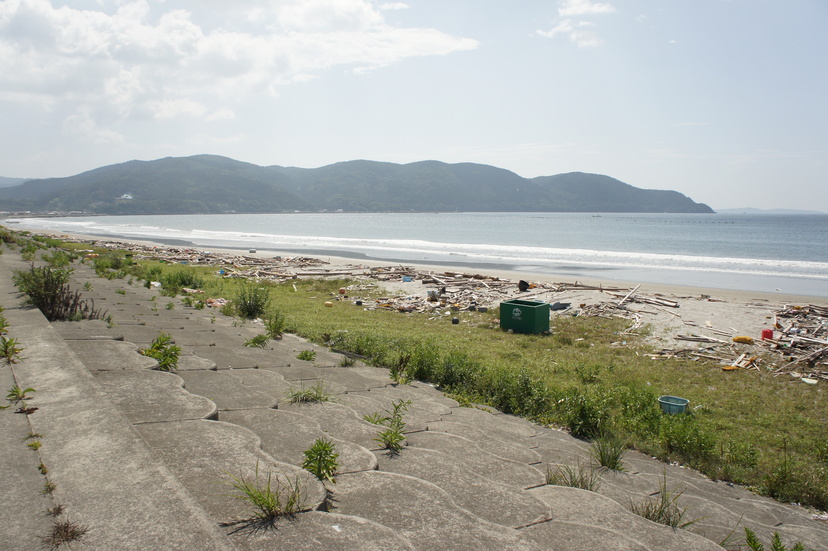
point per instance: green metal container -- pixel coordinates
(524, 316)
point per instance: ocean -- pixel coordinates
(768, 253)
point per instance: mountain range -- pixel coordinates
(214, 184)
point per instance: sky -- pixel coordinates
(725, 101)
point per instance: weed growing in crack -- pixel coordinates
(9, 350)
(608, 451)
(259, 341)
(661, 507)
(270, 497)
(316, 393)
(392, 438)
(48, 487)
(321, 460)
(753, 543)
(17, 395)
(64, 531)
(164, 351)
(306, 355)
(583, 476)
(274, 323)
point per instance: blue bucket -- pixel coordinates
(408, 279)
(673, 404)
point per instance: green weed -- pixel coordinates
(608, 451)
(17, 395)
(274, 323)
(753, 543)
(662, 508)
(321, 460)
(313, 394)
(9, 350)
(259, 341)
(64, 531)
(164, 351)
(306, 355)
(269, 496)
(583, 476)
(251, 300)
(48, 290)
(392, 438)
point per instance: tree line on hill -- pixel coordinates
(214, 184)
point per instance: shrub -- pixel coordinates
(274, 323)
(164, 351)
(251, 300)
(58, 259)
(681, 435)
(585, 414)
(321, 460)
(47, 290)
(111, 264)
(174, 281)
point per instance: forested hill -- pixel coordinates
(213, 184)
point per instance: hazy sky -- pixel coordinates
(723, 100)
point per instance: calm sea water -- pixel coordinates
(787, 253)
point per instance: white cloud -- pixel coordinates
(83, 124)
(570, 8)
(394, 6)
(223, 114)
(176, 108)
(148, 59)
(580, 31)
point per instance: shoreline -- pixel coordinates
(505, 272)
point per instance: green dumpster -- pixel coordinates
(524, 316)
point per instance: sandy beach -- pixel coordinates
(716, 314)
